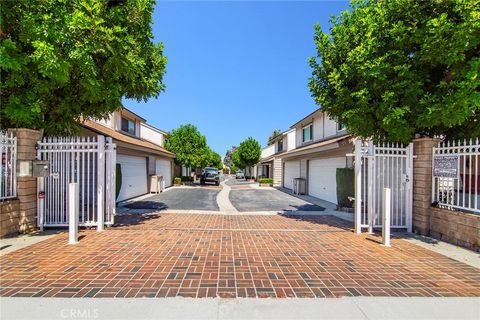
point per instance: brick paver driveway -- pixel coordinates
(165, 255)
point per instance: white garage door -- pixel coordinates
(292, 171)
(134, 176)
(163, 168)
(322, 178)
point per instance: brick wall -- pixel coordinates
(9, 217)
(22, 212)
(460, 228)
(456, 227)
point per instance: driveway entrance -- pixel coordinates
(203, 255)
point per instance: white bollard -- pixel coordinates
(386, 217)
(73, 207)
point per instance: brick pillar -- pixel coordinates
(422, 184)
(27, 186)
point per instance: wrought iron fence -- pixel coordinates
(455, 175)
(8, 170)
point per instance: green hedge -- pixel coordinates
(177, 181)
(266, 181)
(187, 179)
(345, 186)
(118, 180)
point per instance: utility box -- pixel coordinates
(299, 186)
(157, 184)
(41, 168)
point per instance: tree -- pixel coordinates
(237, 161)
(215, 160)
(273, 135)
(64, 61)
(189, 145)
(227, 160)
(248, 153)
(393, 69)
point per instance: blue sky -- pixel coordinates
(235, 69)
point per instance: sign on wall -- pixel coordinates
(445, 166)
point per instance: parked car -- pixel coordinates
(210, 175)
(240, 175)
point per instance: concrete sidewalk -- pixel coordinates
(278, 309)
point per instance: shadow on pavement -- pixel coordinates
(134, 218)
(325, 220)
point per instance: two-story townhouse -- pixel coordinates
(321, 146)
(270, 165)
(140, 152)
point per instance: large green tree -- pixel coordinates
(248, 153)
(215, 160)
(393, 69)
(189, 146)
(67, 60)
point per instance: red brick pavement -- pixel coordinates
(168, 255)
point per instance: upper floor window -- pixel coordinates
(128, 126)
(307, 133)
(280, 145)
(340, 126)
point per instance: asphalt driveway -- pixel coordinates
(180, 199)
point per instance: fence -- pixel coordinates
(88, 161)
(455, 175)
(8, 170)
(377, 167)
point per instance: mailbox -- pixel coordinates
(41, 168)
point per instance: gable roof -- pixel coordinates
(118, 136)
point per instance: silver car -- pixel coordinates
(240, 175)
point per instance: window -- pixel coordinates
(280, 145)
(307, 133)
(340, 126)
(128, 126)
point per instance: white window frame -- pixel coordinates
(311, 133)
(278, 142)
(134, 126)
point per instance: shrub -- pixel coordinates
(177, 181)
(186, 179)
(118, 180)
(266, 181)
(345, 186)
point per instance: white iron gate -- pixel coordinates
(387, 165)
(90, 162)
(8, 170)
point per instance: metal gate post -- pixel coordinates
(409, 187)
(358, 186)
(100, 182)
(386, 217)
(371, 193)
(73, 208)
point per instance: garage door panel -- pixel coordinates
(163, 167)
(292, 171)
(322, 178)
(134, 176)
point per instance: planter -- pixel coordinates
(265, 185)
(187, 183)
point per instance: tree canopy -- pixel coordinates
(189, 145)
(248, 153)
(273, 135)
(393, 69)
(215, 160)
(63, 61)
